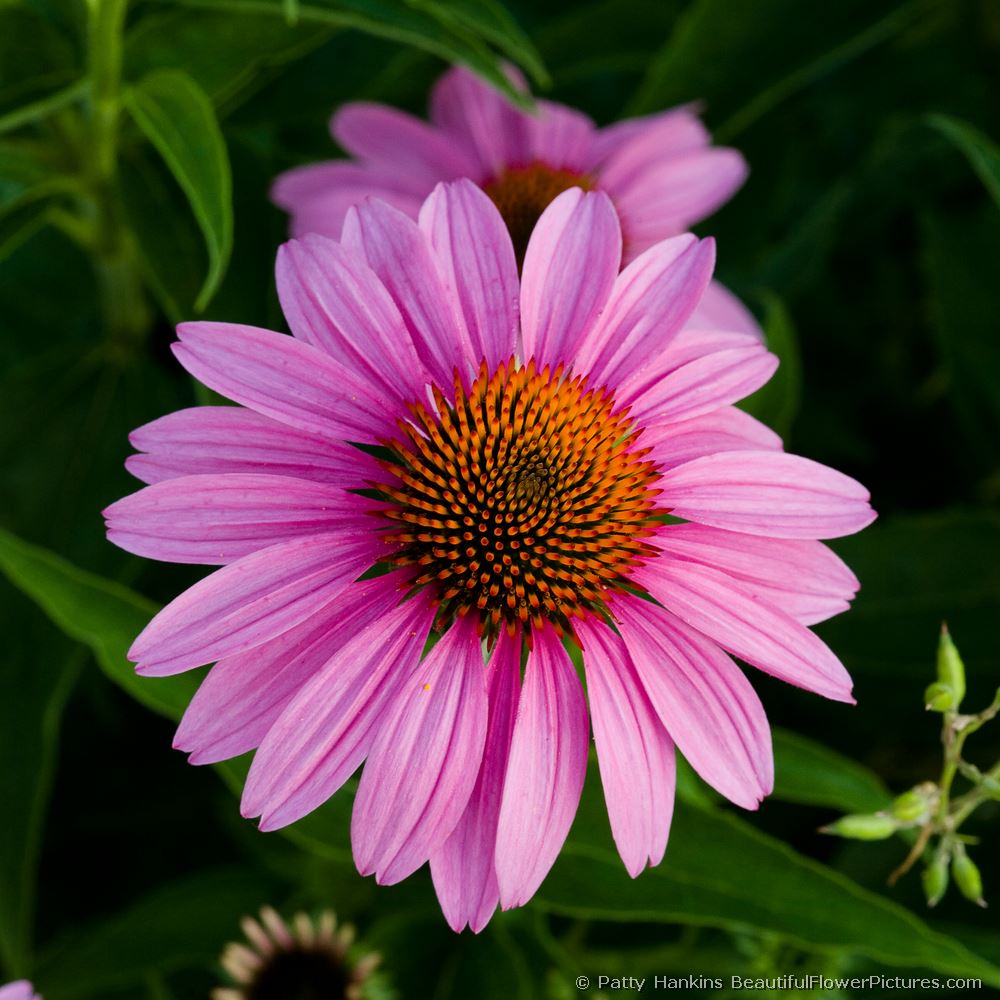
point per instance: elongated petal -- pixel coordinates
(634, 143)
(481, 119)
(327, 729)
(727, 429)
(477, 259)
(281, 377)
(569, 270)
(464, 868)
(803, 578)
(424, 762)
(634, 752)
(719, 309)
(767, 493)
(400, 254)
(244, 695)
(206, 440)
(707, 705)
(334, 301)
(250, 601)
(751, 628)
(548, 761)
(217, 519)
(559, 136)
(385, 136)
(651, 300)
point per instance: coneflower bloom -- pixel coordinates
(661, 172)
(303, 959)
(444, 451)
(21, 990)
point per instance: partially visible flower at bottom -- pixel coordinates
(304, 959)
(20, 990)
(512, 464)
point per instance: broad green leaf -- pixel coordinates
(781, 45)
(980, 150)
(177, 117)
(777, 402)
(916, 571)
(962, 267)
(184, 37)
(37, 674)
(99, 613)
(811, 774)
(183, 925)
(721, 872)
(391, 19)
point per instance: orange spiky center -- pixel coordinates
(524, 499)
(523, 193)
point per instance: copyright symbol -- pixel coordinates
(582, 982)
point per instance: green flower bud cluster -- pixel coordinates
(947, 692)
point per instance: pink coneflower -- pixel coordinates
(301, 959)
(505, 453)
(21, 990)
(661, 172)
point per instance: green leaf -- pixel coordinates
(181, 926)
(177, 117)
(721, 872)
(982, 152)
(38, 671)
(35, 57)
(809, 773)
(781, 45)
(99, 613)
(777, 402)
(390, 19)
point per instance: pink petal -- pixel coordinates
(243, 696)
(719, 309)
(250, 601)
(559, 137)
(727, 429)
(767, 493)
(698, 387)
(217, 519)
(480, 118)
(548, 761)
(326, 730)
(750, 628)
(708, 706)
(803, 578)
(649, 146)
(651, 300)
(634, 752)
(424, 761)
(283, 378)
(463, 868)
(477, 259)
(206, 440)
(569, 270)
(334, 301)
(387, 137)
(400, 254)
(675, 192)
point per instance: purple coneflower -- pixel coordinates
(444, 451)
(20, 990)
(661, 172)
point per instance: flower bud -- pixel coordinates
(950, 669)
(872, 826)
(967, 877)
(935, 879)
(939, 697)
(910, 806)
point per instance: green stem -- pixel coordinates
(968, 803)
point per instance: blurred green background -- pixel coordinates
(867, 240)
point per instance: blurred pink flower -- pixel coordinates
(505, 449)
(661, 172)
(21, 990)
